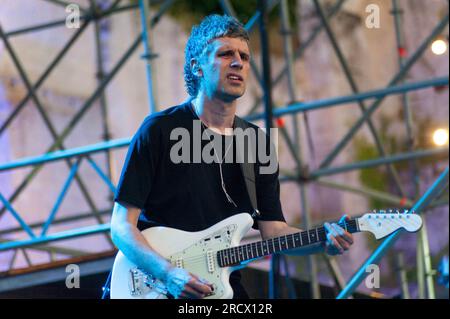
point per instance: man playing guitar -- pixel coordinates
(155, 190)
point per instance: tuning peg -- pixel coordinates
(382, 211)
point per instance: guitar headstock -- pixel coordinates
(384, 222)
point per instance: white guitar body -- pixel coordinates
(199, 252)
(179, 246)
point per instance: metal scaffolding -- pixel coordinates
(368, 102)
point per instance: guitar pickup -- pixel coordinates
(210, 261)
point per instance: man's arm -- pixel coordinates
(127, 237)
(338, 239)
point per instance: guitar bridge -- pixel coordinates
(141, 283)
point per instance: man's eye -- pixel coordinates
(228, 53)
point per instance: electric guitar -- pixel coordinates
(212, 254)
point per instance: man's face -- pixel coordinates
(225, 68)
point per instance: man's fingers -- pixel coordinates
(343, 234)
(330, 229)
(195, 288)
(348, 237)
(342, 237)
(199, 287)
(338, 238)
(192, 292)
(332, 235)
(343, 219)
(188, 293)
(344, 244)
(201, 281)
(333, 243)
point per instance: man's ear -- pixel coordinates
(195, 66)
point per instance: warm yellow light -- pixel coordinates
(440, 137)
(439, 47)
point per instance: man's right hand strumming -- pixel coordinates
(126, 236)
(185, 285)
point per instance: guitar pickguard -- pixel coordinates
(197, 252)
(200, 258)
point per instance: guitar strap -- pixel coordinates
(247, 165)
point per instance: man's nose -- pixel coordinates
(237, 62)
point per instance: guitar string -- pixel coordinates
(201, 258)
(237, 253)
(275, 241)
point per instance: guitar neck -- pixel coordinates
(236, 255)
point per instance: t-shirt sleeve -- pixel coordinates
(138, 171)
(267, 184)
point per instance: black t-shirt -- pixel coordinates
(188, 196)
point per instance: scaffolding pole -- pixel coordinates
(100, 76)
(377, 94)
(148, 55)
(267, 91)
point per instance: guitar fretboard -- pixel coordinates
(236, 255)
